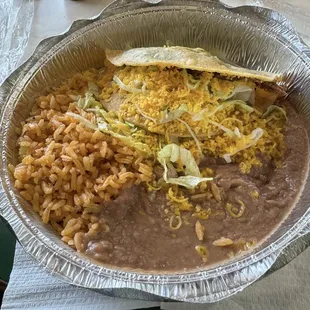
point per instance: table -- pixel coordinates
(45, 24)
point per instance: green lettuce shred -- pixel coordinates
(244, 93)
(189, 81)
(127, 140)
(83, 120)
(273, 108)
(191, 132)
(105, 127)
(205, 113)
(253, 138)
(173, 115)
(129, 89)
(172, 153)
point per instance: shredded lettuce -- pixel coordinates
(104, 127)
(145, 115)
(140, 84)
(93, 89)
(83, 120)
(189, 81)
(173, 115)
(237, 132)
(106, 115)
(88, 102)
(168, 116)
(130, 89)
(81, 103)
(240, 92)
(189, 129)
(103, 117)
(172, 153)
(244, 143)
(139, 146)
(106, 122)
(231, 133)
(195, 83)
(205, 113)
(120, 127)
(227, 158)
(273, 108)
(131, 125)
(244, 93)
(129, 141)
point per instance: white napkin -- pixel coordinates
(15, 25)
(31, 287)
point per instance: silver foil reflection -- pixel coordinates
(252, 37)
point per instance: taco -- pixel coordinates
(176, 90)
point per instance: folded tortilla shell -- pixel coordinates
(184, 57)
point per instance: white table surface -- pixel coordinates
(287, 288)
(55, 16)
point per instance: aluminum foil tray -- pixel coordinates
(248, 36)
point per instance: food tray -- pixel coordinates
(252, 37)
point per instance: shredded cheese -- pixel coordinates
(228, 122)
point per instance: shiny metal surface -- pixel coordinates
(252, 37)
